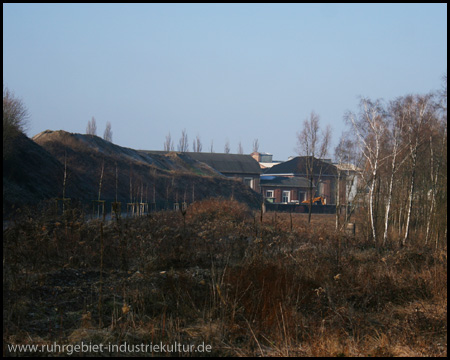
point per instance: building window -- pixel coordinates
(286, 196)
(248, 182)
(301, 195)
(270, 196)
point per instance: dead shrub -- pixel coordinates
(270, 296)
(218, 209)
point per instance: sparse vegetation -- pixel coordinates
(217, 274)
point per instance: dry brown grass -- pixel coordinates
(218, 275)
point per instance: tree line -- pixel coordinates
(91, 129)
(399, 149)
(197, 146)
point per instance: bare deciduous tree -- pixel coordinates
(107, 135)
(313, 144)
(436, 163)
(438, 168)
(255, 145)
(419, 112)
(197, 144)
(15, 118)
(168, 144)
(227, 147)
(341, 153)
(240, 148)
(183, 144)
(404, 173)
(91, 128)
(370, 128)
(394, 126)
(349, 161)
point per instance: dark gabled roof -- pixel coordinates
(298, 166)
(224, 163)
(284, 181)
(228, 163)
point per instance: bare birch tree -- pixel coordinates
(404, 175)
(369, 128)
(436, 162)
(419, 111)
(439, 171)
(395, 128)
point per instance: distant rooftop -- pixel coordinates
(298, 166)
(283, 181)
(228, 163)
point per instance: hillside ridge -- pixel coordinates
(35, 172)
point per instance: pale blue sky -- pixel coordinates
(231, 72)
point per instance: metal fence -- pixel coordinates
(299, 208)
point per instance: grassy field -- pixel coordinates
(219, 279)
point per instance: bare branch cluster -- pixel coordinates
(313, 144)
(183, 144)
(15, 119)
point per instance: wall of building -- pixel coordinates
(255, 180)
(327, 190)
(278, 193)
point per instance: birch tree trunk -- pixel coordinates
(371, 210)
(389, 199)
(410, 199)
